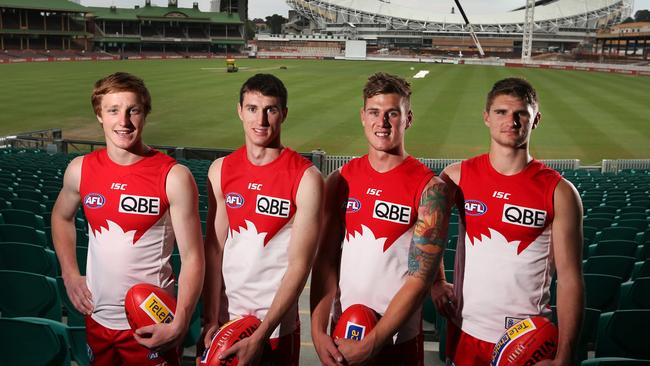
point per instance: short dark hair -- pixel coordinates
(120, 82)
(516, 87)
(267, 85)
(383, 83)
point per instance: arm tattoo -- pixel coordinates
(430, 233)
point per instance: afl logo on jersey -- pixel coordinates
(353, 205)
(234, 200)
(475, 208)
(94, 200)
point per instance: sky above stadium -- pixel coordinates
(263, 8)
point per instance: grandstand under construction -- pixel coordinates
(559, 25)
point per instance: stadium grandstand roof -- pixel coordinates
(403, 14)
(158, 12)
(55, 5)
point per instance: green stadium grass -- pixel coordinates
(588, 116)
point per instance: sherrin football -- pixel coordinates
(146, 304)
(527, 342)
(229, 334)
(355, 322)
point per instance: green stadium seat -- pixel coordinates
(27, 205)
(28, 258)
(22, 217)
(601, 291)
(73, 338)
(589, 234)
(641, 269)
(617, 233)
(638, 224)
(603, 215)
(615, 361)
(7, 194)
(29, 294)
(22, 234)
(635, 294)
(82, 258)
(624, 333)
(625, 248)
(448, 257)
(635, 209)
(23, 342)
(31, 195)
(603, 209)
(613, 265)
(633, 215)
(452, 242)
(599, 223)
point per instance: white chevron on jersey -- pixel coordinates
(254, 273)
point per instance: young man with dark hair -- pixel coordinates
(137, 202)
(520, 222)
(264, 218)
(386, 216)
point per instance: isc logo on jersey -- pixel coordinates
(475, 208)
(157, 310)
(392, 212)
(94, 200)
(523, 216)
(272, 206)
(234, 200)
(139, 205)
(353, 205)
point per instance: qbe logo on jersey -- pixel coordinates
(523, 216)
(139, 205)
(157, 310)
(392, 212)
(272, 206)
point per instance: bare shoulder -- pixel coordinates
(72, 176)
(566, 199)
(179, 173)
(312, 176)
(451, 173)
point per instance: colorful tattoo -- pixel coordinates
(430, 232)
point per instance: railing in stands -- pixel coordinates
(52, 142)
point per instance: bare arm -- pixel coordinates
(324, 278)
(183, 208)
(216, 232)
(442, 292)
(64, 237)
(567, 249)
(302, 246)
(425, 253)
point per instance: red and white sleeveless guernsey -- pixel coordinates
(380, 214)
(130, 233)
(504, 268)
(260, 203)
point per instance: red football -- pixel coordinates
(147, 304)
(229, 334)
(526, 343)
(355, 322)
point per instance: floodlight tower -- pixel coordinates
(529, 24)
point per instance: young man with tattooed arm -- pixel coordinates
(386, 218)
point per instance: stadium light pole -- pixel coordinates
(529, 24)
(471, 30)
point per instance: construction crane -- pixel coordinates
(529, 23)
(471, 30)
